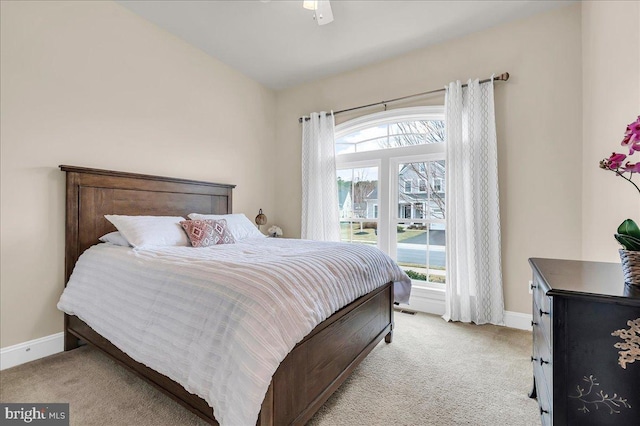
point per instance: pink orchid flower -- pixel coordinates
(615, 161)
(632, 168)
(635, 128)
(632, 136)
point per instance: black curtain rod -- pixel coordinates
(502, 77)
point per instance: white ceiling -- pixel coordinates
(278, 44)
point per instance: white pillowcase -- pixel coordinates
(116, 238)
(237, 223)
(148, 231)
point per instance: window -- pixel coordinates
(437, 185)
(407, 186)
(391, 187)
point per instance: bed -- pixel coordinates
(309, 374)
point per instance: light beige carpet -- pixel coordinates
(434, 373)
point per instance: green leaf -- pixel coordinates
(629, 227)
(628, 242)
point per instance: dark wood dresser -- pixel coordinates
(586, 344)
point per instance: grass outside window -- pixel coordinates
(368, 235)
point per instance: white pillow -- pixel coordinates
(146, 231)
(116, 238)
(237, 223)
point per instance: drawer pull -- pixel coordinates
(543, 312)
(543, 411)
(533, 323)
(542, 361)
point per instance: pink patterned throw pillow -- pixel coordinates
(207, 232)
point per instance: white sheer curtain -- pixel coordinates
(474, 277)
(320, 216)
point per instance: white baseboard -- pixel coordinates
(31, 350)
(518, 320)
(432, 301)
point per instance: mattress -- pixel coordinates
(219, 320)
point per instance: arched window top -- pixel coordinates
(391, 129)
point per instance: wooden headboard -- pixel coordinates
(92, 193)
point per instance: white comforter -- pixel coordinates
(220, 320)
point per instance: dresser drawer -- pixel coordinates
(544, 395)
(542, 317)
(542, 359)
(541, 323)
(540, 298)
(542, 311)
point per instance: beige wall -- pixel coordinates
(539, 122)
(611, 92)
(91, 84)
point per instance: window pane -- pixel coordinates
(421, 243)
(358, 203)
(372, 144)
(407, 139)
(392, 135)
(432, 131)
(345, 148)
(358, 193)
(427, 201)
(370, 139)
(421, 251)
(363, 135)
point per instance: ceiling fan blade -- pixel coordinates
(324, 14)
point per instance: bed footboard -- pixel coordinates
(319, 364)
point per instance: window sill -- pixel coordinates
(417, 284)
(429, 298)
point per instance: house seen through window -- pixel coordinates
(391, 187)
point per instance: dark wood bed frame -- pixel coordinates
(311, 372)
